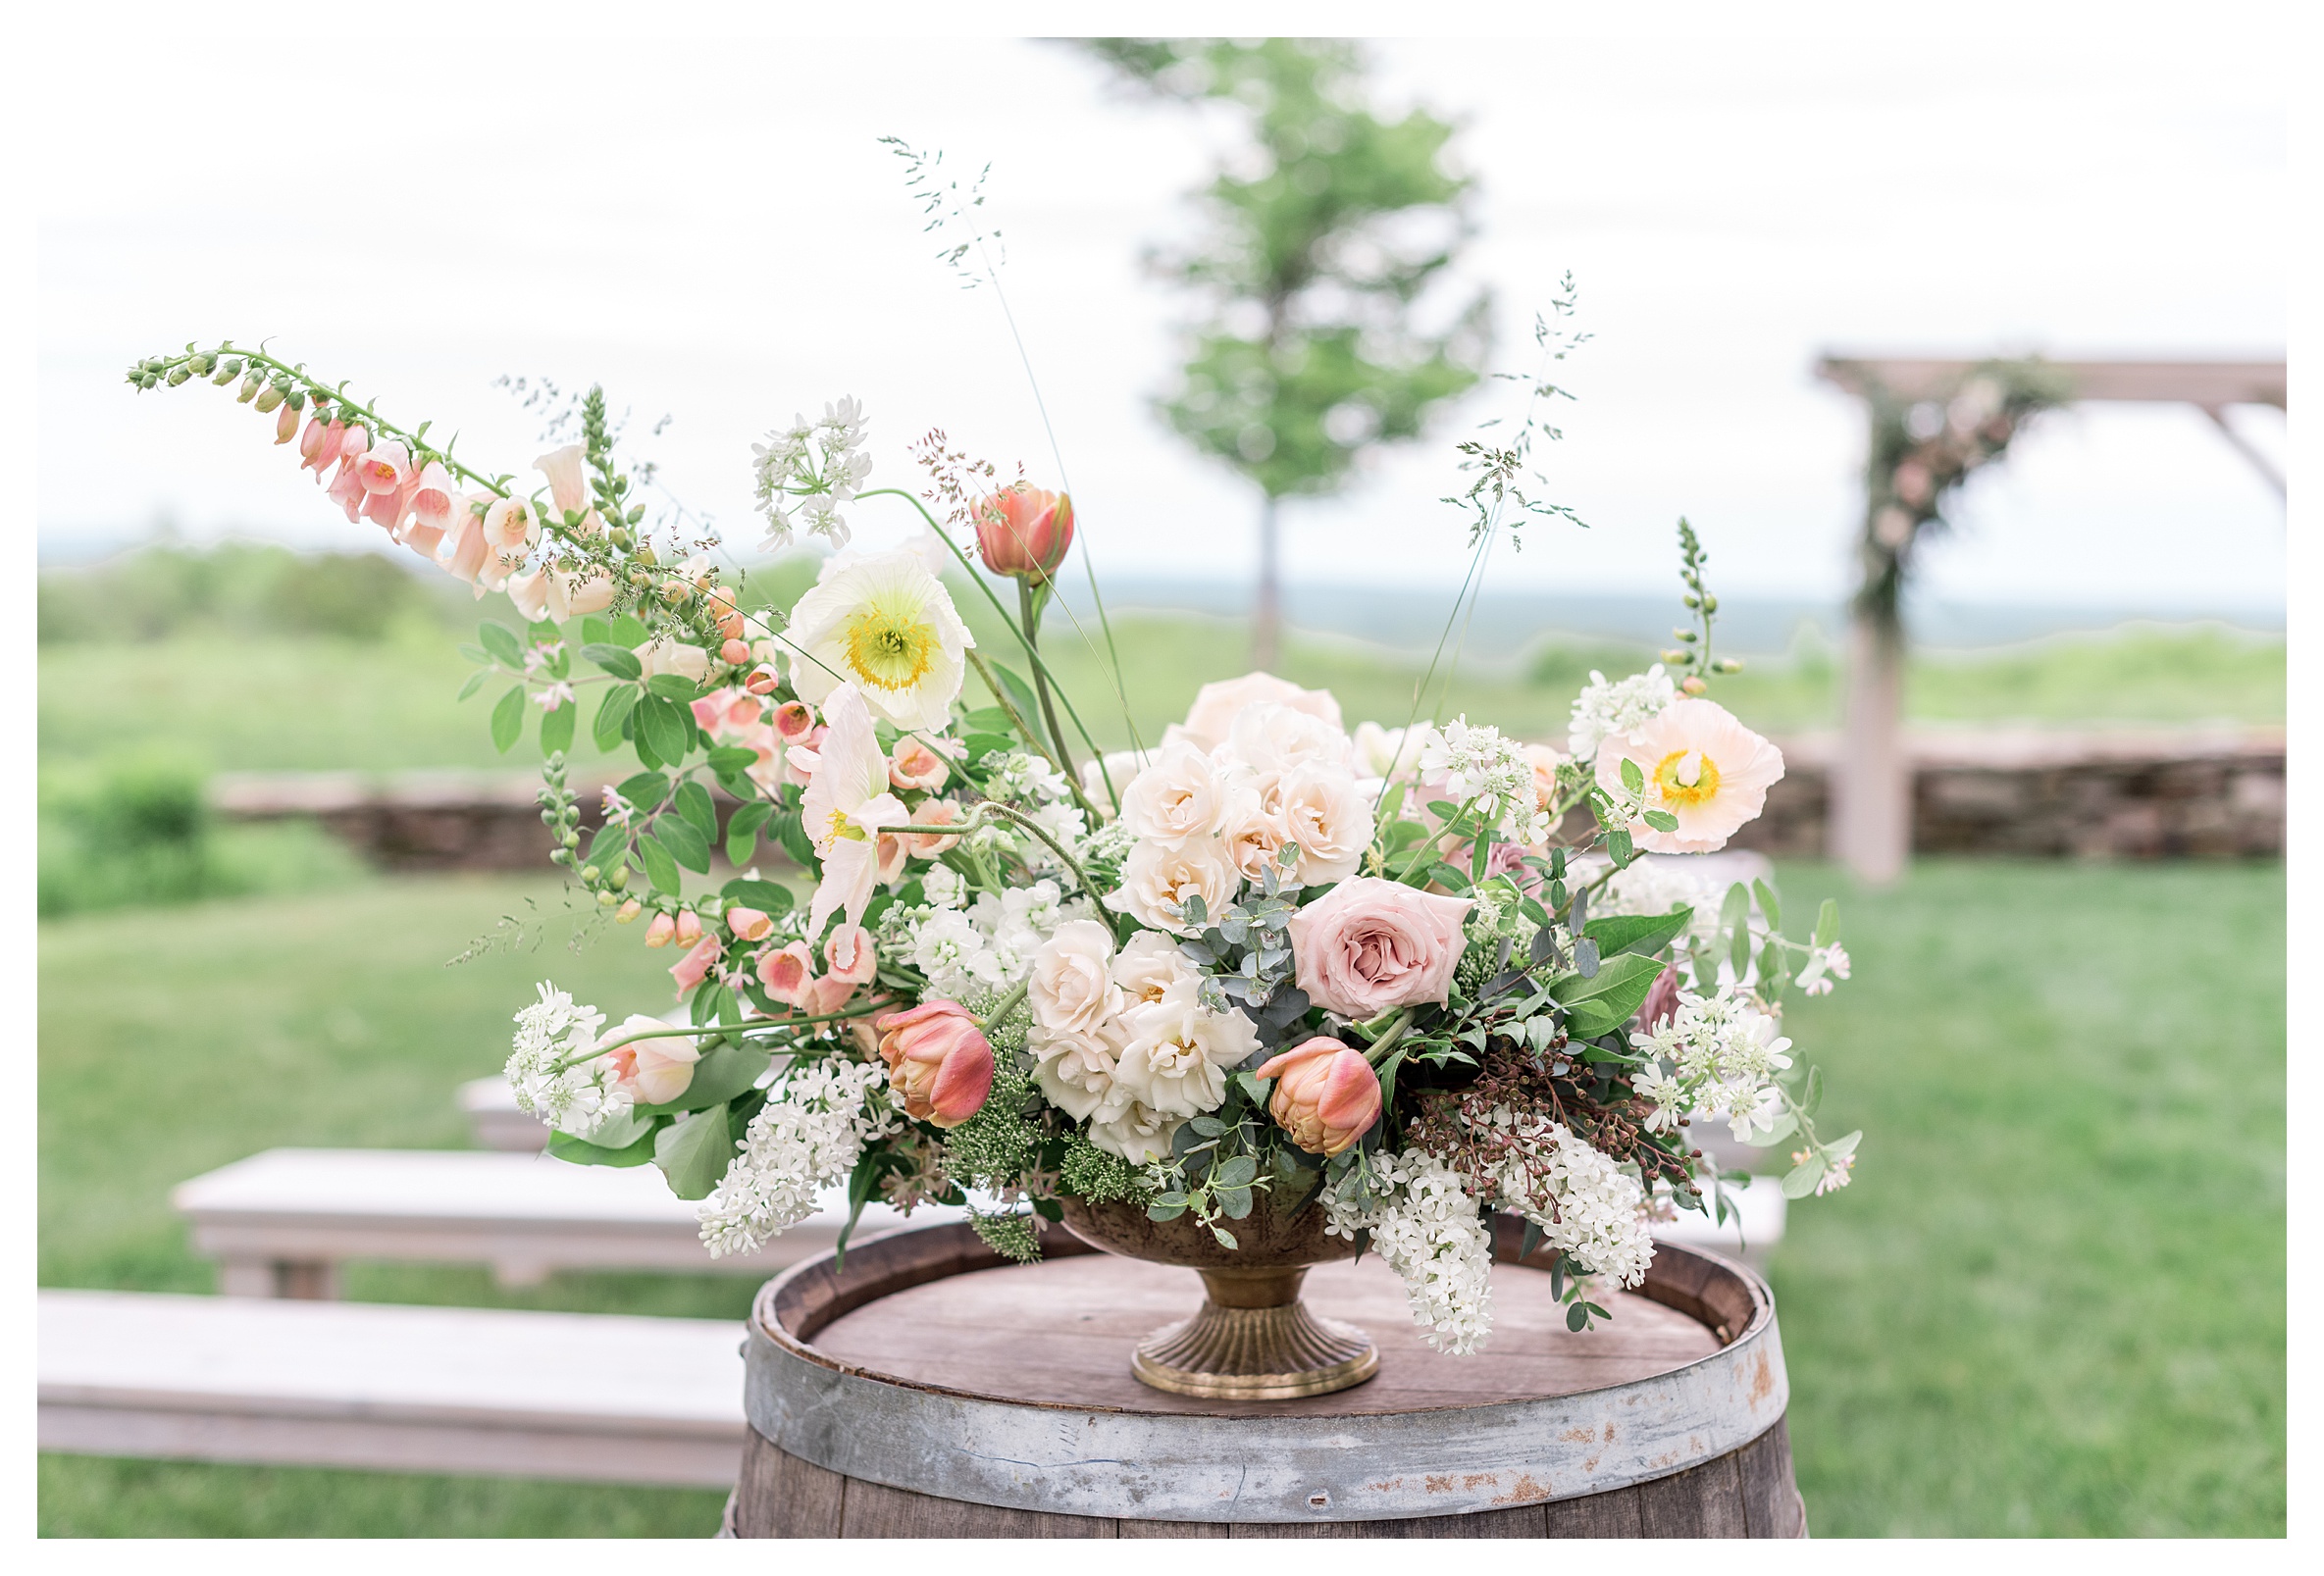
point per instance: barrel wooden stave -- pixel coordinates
(1745, 1493)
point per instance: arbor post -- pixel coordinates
(1871, 813)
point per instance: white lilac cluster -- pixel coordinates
(807, 1137)
(809, 472)
(551, 1069)
(1715, 1057)
(1425, 1227)
(969, 945)
(1607, 708)
(1466, 761)
(1586, 1207)
(1207, 816)
(1122, 1040)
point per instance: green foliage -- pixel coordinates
(1000, 1144)
(1014, 1236)
(1315, 263)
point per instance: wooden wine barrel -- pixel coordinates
(929, 1390)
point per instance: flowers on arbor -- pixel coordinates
(1410, 976)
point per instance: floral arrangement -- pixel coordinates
(1408, 976)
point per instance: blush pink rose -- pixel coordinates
(1371, 944)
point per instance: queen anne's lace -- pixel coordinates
(1606, 707)
(1425, 1228)
(796, 484)
(1717, 1056)
(1469, 761)
(809, 1137)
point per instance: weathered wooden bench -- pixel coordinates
(1754, 1221)
(496, 1122)
(282, 1222)
(595, 1396)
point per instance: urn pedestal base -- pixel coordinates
(1255, 1340)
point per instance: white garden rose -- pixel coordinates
(1217, 705)
(1072, 988)
(1074, 1070)
(1175, 1053)
(1249, 829)
(1147, 966)
(1159, 873)
(1276, 738)
(1176, 798)
(1132, 1129)
(1322, 810)
(1386, 752)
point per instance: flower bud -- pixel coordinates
(1327, 1094)
(1025, 531)
(249, 389)
(628, 912)
(661, 932)
(939, 1061)
(287, 425)
(748, 924)
(179, 374)
(1662, 1001)
(690, 927)
(1693, 685)
(268, 398)
(763, 679)
(734, 654)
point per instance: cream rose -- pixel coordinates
(1175, 1053)
(1072, 988)
(1371, 944)
(1176, 798)
(1132, 1129)
(1217, 705)
(1701, 766)
(1074, 1070)
(1148, 965)
(1321, 808)
(1158, 872)
(1277, 739)
(1386, 752)
(1249, 830)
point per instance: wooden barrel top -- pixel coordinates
(927, 1364)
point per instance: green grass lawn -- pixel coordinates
(2052, 1303)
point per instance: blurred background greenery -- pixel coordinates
(2053, 1302)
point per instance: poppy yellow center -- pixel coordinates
(889, 649)
(841, 827)
(1671, 774)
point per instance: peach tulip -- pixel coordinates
(1327, 1094)
(651, 1072)
(938, 1061)
(1025, 531)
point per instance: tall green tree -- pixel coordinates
(1321, 266)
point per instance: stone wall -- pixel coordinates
(2133, 795)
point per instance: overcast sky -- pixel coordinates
(713, 232)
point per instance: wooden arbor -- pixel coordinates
(1933, 423)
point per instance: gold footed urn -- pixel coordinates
(1252, 1339)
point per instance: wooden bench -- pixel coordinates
(587, 1395)
(282, 1222)
(496, 1122)
(1754, 1223)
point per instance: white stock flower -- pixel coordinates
(807, 1137)
(1158, 879)
(1605, 710)
(944, 886)
(887, 626)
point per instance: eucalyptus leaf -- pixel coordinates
(1767, 904)
(1236, 1173)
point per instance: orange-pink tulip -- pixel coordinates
(1327, 1094)
(938, 1061)
(1025, 531)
